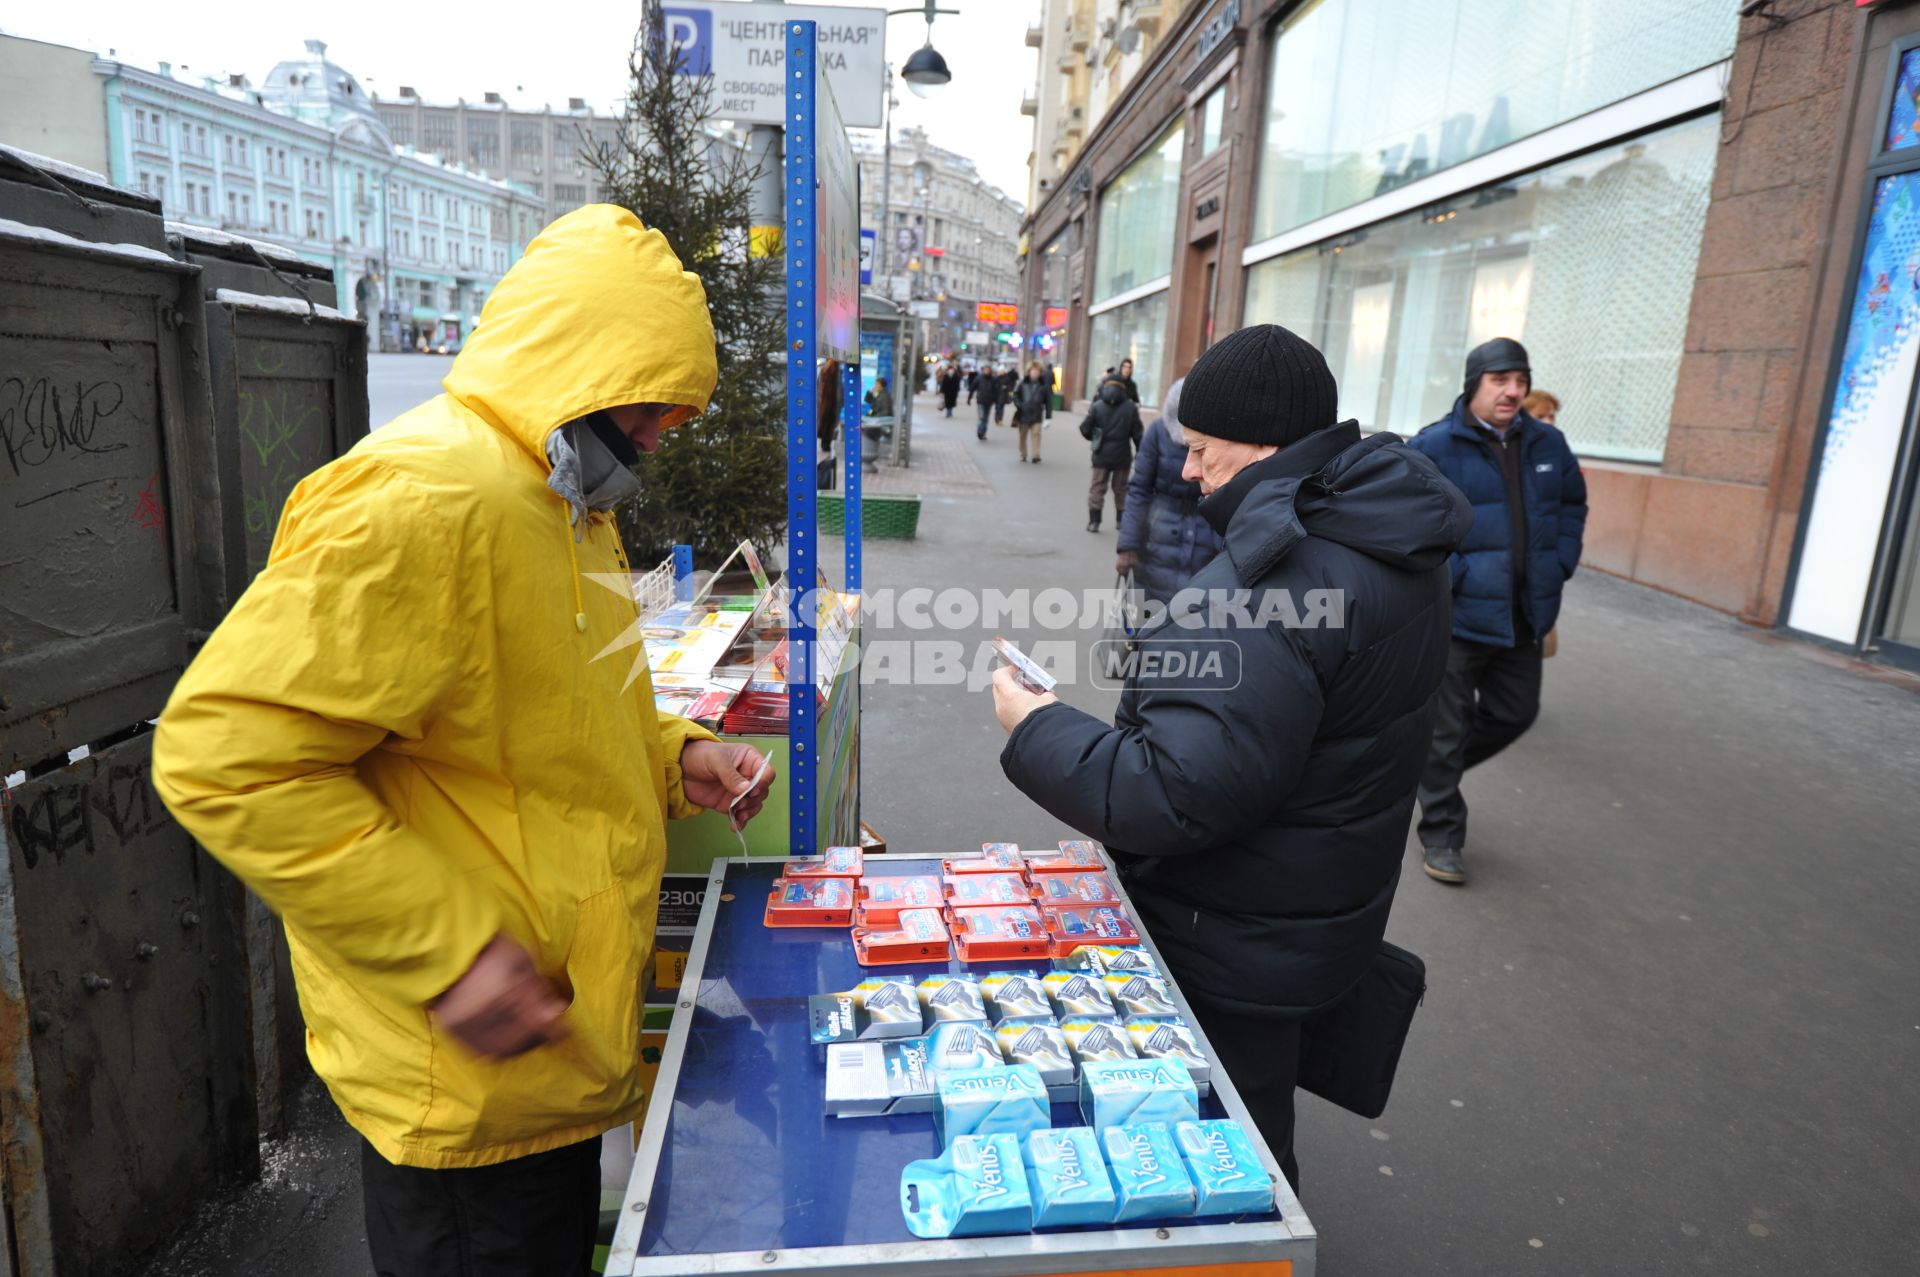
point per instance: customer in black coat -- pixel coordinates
(1112, 426)
(1258, 805)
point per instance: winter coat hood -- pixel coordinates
(598, 312)
(418, 728)
(1112, 392)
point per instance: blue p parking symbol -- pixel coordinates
(692, 31)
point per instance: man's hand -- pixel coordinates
(1126, 561)
(502, 1006)
(1012, 702)
(714, 774)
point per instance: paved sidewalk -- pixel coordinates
(1674, 1019)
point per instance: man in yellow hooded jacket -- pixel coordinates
(404, 738)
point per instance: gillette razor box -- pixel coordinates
(1227, 1178)
(871, 1009)
(1067, 1178)
(1127, 1092)
(1015, 995)
(1158, 1037)
(1008, 1099)
(1040, 1044)
(869, 1079)
(952, 997)
(977, 1187)
(1149, 1178)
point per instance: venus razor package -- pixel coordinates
(1078, 856)
(1127, 1092)
(834, 862)
(1067, 1177)
(997, 931)
(1135, 993)
(1077, 994)
(1075, 889)
(1227, 1178)
(810, 902)
(1040, 1045)
(1097, 1039)
(879, 900)
(871, 1009)
(1015, 995)
(1149, 1178)
(976, 1188)
(1005, 1099)
(1163, 1037)
(919, 935)
(952, 997)
(986, 889)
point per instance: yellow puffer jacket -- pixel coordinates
(403, 740)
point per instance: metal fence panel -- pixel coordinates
(123, 1040)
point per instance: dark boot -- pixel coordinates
(1445, 864)
(1093, 520)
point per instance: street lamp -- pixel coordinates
(926, 71)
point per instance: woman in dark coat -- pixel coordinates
(950, 388)
(1112, 426)
(1164, 539)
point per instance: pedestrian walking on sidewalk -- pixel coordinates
(401, 737)
(1257, 806)
(1032, 409)
(973, 383)
(1009, 379)
(1164, 539)
(1112, 425)
(986, 394)
(1530, 514)
(1125, 376)
(949, 388)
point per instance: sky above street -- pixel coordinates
(464, 51)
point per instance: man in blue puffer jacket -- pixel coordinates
(1527, 493)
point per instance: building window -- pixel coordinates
(1590, 262)
(570, 194)
(226, 147)
(240, 149)
(1213, 116)
(361, 227)
(1136, 331)
(1139, 220)
(526, 139)
(1435, 96)
(440, 135)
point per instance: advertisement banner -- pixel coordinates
(837, 246)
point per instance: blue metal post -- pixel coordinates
(800, 202)
(683, 572)
(854, 447)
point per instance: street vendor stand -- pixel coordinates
(745, 1172)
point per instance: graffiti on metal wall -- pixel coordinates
(103, 810)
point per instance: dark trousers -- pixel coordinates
(1489, 697)
(1104, 478)
(985, 409)
(1262, 1057)
(531, 1217)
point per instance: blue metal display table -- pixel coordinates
(740, 1169)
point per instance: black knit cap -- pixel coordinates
(1502, 354)
(1263, 385)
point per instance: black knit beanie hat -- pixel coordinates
(1502, 354)
(1262, 385)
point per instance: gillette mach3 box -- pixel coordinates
(871, 1009)
(1124, 1092)
(1067, 1178)
(868, 1079)
(976, 1188)
(1009, 1099)
(1149, 1179)
(1227, 1178)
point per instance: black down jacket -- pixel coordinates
(1113, 427)
(1258, 810)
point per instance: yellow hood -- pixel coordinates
(597, 313)
(414, 731)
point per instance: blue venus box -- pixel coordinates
(1067, 1176)
(1226, 1175)
(1123, 1092)
(1007, 1099)
(975, 1188)
(1149, 1179)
